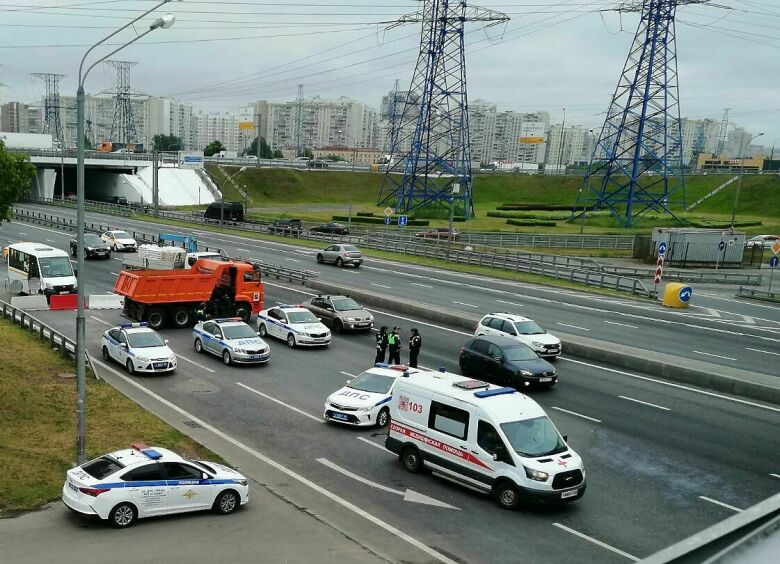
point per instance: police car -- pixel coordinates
(365, 399)
(139, 482)
(231, 339)
(139, 348)
(294, 324)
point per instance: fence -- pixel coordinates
(707, 254)
(758, 294)
(685, 276)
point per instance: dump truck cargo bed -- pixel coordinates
(160, 286)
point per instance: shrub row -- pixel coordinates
(715, 224)
(529, 207)
(380, 220)
(530, 222)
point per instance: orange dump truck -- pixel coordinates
(162, 297)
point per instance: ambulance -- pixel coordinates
(490, 438)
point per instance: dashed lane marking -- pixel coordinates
(199, 365)
(101, 320)
(422, 285)
(379, 285)
(577, 414)
(464, 304)
(383, 449)
(645, 403)
(716, 502)
(509, 303)
(621, 324)
(715, 355)
(573, 326)
(762, 351)
(280, 402)
(597, 542)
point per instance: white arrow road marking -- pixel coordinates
(747, 319)
(408, 495)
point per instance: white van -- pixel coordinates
(494, 439)
(36, 268)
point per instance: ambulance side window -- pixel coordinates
(449, 420)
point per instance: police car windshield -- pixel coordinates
(528, 328)
(302, 317)
(519, 353)
(533, 437)
(345, 304)
(238, 332)
(375, 383)
(52, 267)
(144, 340)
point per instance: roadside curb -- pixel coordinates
(743, 383)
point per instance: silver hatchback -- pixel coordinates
(341, 255)
(341, 312)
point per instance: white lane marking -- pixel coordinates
(100, 320)
(244, 250)
(670, 384)
(408, 495)
(577, 414)
(597, 542)
(118, 258)
(280, 402)
(50, 241)
(716, 502)
(775, 475)
(645, 403)
(418, 284)
(464, 304)
(346, 374)
(509, 303)
(621, 324)
(712, 312)
(115, 273)
(760, 351)
(573, 326)
(281, 468)
(199, 365)
(383, 449)
(291, 259)
(41, 228)
(715, 355)
(379, 285)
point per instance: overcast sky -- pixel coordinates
(551, 55)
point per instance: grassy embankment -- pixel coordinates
(38, 422)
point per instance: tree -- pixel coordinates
(16, 173)
(213, 148)
(277, 154)
(265, 149)
(87, 143)
(162, 142)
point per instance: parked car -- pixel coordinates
(765, 241)
(94, 246)
(234, 211)
(341, 255)
(341, 312)
(332, 227)
(522, 329)
(286, 227)
(505, 362)
(439, 233)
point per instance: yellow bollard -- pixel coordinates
(677, 295)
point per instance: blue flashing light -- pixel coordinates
(134, 325)
(494, 392)
(151, 453)
(381, 365)
(226, 319)
(442, 369)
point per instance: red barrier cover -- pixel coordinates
(63, 301)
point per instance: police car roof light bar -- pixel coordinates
(223, 319)
(146, 451)
(399, 367)
(381, 365)
(442, 369)
(134, 325)
(494, 392)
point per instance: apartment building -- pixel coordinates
(570, 145)
(15, 117)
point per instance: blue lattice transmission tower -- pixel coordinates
(636, 166)
(433, 120)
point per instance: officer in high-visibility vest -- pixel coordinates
(394, 344)
(415, 344)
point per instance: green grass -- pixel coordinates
(38, 422)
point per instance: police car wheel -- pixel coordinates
(130, 367)
(227, 502)
(123, 515)
(262, 330)
(291, 341)
(226, 357)
(106, 356)
(198, 346)
(383, 418)
(411, 459)
(507, 495)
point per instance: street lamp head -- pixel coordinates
(164, 22)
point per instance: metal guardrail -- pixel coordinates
(277, 271)
(684, 276)
(758, 294)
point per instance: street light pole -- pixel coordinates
(745, 145)
(351, 177)
(81, 392)
(222, 194)
(455, 190)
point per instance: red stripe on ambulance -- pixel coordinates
(462, 454)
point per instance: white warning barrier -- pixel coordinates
(30, 303)
(104, 301)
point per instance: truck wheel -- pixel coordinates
(262, 330)
(181, 317)
(244, 312)
(198, 346)
(155, 318)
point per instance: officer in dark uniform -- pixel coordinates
(394, 344)
(415, 344)
(381, 344)
(200, 313)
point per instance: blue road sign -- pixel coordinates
(403, 220)
(685, 294)
(774, 261)
(388, 220)
(722, 246)
(662, 248)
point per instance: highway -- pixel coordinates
(663, 461)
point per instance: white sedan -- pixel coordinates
(294, 324)
(120, 241)
(138, 348)
(232, 340)
(124, 486)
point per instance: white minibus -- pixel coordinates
(36, 268)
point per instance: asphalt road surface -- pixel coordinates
(662, 460)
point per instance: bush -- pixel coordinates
(365, 214)
(716, 224)
(529, 207)
(530, 222)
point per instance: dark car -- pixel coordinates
(286, 227)
(234, 211)
(505, 362)
(332, 228)
(94, 246)
(119, 200)
(439, 233)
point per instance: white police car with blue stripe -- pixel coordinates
(139, 482)
(365, 400)
(232, 340)
(138, 348)
(294, 324)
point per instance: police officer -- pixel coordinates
(394, 344)
(415, 343)
(200, 313)
(381, 344)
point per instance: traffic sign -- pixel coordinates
(776, 247)
(388, 220)
(685, 294)
(731, 242)
(659, 271)
(660, 261)
(389, 211)
(662, 248)
(403, 220)
(774, 261)
(657, 280)
(722, 246)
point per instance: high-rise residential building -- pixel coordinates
(570, 145)
(165, 116)
(223, 127)
(698, 136)
(513, 130)
(15, 117)
(482, 130)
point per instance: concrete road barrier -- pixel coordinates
(30, 303)
(105, 301)
(724, 379)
